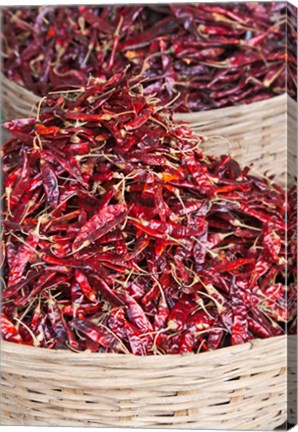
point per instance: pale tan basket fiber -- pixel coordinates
(240, 387)
(17, 102)
(262, 133)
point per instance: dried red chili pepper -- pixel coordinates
(192, 57)
(9, 331)
(93, 229)
(50, 183)
(85, 286)
(136, 256)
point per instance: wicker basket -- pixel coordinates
(255, 133)
(17, 102)
(240, 387)
(263, 133)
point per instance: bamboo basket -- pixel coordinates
(262, 133)
(17, 102)
(242, 387)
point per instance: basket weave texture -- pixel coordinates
(17, 102)
(240, 387)
(262, 133)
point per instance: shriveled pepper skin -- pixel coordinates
(139, 242)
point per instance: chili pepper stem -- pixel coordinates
(202, 306)
(27, 245)
(236, 223)
(125, 350)
(29, 306)
(72, 348)
(214, 255)
(177, 194)
(3, 282)
(200, 346)
(154, 346)
(8, 192)
(174, 274)
(159, 122)
(36, 342)
(160, 289)
(273, 323)
(164, 107)
(210, 288)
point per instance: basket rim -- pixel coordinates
(43, 353)
(225, 110)
(284, 98)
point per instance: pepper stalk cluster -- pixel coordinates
(201, 56)
(120, 235)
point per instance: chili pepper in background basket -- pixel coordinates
(192, 57)
(174, 251)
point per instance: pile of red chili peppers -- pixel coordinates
(199, 56)
(121, 236)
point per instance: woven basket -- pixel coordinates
(17, 102)
(240, 387)
(255, 133)
(262, 133)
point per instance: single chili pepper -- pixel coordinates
(80, 310)
(135, 313)
(21, 185)
(91, 231)
(162, 314)
(179, 314)
(139, 346)
(187, 341)
(55, 318)
(150, 296)
(215, 338)
(67, 262)
(42, 130)
(231, 266)
(3, 253)
(106, 291)
(9, 331)
(85, 286)
(272, 243)
(72, 343)
(260, 268)
(162, 230)
(240, 325)
(50, 183)
(116, 322)
(21, 259)
(98, 335)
